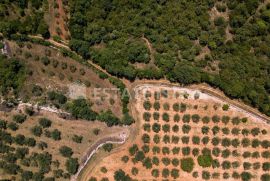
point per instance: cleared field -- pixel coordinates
(185, 134)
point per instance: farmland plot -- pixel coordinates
(186, 134)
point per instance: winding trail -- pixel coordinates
(117, 139)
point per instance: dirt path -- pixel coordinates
(149, 45)
(120, 138)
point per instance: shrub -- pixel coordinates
(215, 130)
(247, 165)
(156, 115)
(236, 121)
(19, 118)
(235, 131)
(205, 160)
(166, 106)
(175, 162)
(156, 127)
(44, 122)
(156, 106)
(216, 119)
(187, 164)
(226, 165)
(29, 111)
(186, 151)
(146, 138)
(185, 139)
(13, 126)
(216, 151)
(195, 118)
(133, 150)
(147, 105)
(215, 141)
(147, 163)
(72, 165)
(3, 124)
(225, 131)
(155, 173)
(166, 128)
(246, 176)
(175, 150)
(166, 139)
(145, 148)
(245, 142)
(139, 156)
(186, 118)
(134, 171)
(225, 119)
(176, 118)
(176, 107)
(186, 128)
(235, 143)
(266, 166)
(156, 139)
(225, 107)
(66, 151)
(205, 119)
(265, 177)
(205, 140)
(166, 161)
(165, 150)
(56, 134)
(165, 117)
(146, 116)
(175, 128)
(36, 130)
(175, 173)
(183, 107)
(205, 175)
(155, 160)
(226, 142)
(205, 129)
(255, 131)
(77, 138)
(196, 140)
(195, 152)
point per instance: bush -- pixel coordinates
(176, 118)
(156, 127)
(146, 116)
(195, 118)
(108, 147)
(225, 107)
(13, 126)
(77, 138)
(155, 173)
(44, 122)
(175, 173)
(19, 118)
(205, 160)
(56, 134)
(186, 128)
(166, 106)
(36, 130)
(66, 151)
(133, 150)
(176, 107)
(72, 165)
(165, 117)
(147, 105)
(186, 118)
(205, 119)
(187, 164)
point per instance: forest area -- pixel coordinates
(173, 27)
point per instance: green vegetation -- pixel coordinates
(13, 74)
(205, 160)
(187, 164)
(175, 54)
